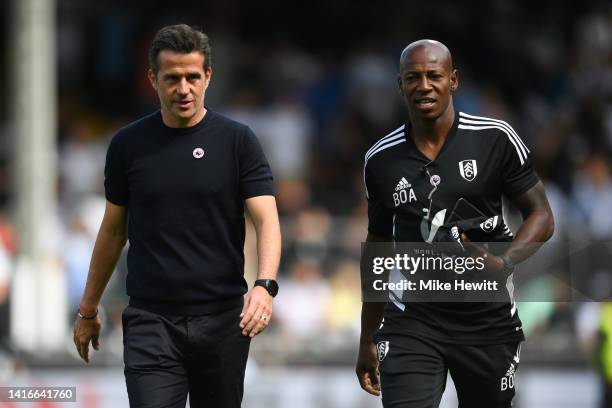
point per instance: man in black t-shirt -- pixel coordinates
(177, 183)
(418, 178)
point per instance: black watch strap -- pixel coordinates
(269, 284)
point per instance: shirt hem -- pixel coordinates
(187, 309)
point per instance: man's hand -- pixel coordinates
(492, 263)
(86, 330)
(367, 367)
(256, 312)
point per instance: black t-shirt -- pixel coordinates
(184, 189)
(481, 160)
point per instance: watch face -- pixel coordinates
(272, 287)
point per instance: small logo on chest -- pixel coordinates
(468, 169)
(403, 193)
(383, 349)
(490, 224)
(198, 153)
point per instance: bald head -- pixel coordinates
(434, 50)
(427, 80)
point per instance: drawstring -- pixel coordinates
(433, 190)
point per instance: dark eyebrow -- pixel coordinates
(428, 72)
(187, 75)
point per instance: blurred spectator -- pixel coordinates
(7, 253)
(593, 196)
(292, 196)
(5, 290)
(594, 331)
(284, 131)
(343, 310)
(81, 160)
(300, 308)
(78, 246)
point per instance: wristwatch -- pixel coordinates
(508, 264)
(269, 284)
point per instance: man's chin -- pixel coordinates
(184, 112)
(184, 115)
(427, 116)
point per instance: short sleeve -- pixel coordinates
(380, 217)
(255, 174)
(518, 174)
(115, 175)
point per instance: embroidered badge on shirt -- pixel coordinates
(198, 153)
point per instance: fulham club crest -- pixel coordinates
(468, 169)
(490, 224)
(383, 349)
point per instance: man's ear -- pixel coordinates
(454, 80)
(208, 75)
(399, 84)
(152, 78)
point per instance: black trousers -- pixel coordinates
(168, 357)
(413, 372)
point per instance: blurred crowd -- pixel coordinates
(318, 94)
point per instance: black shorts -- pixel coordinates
(413, 372)
(167, 357)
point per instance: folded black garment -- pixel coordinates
(478, 226)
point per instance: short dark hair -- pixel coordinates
(179, 38)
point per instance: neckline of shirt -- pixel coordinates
(447, 142)
(186, 130)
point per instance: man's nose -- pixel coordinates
(183, 86)
(424, 83)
